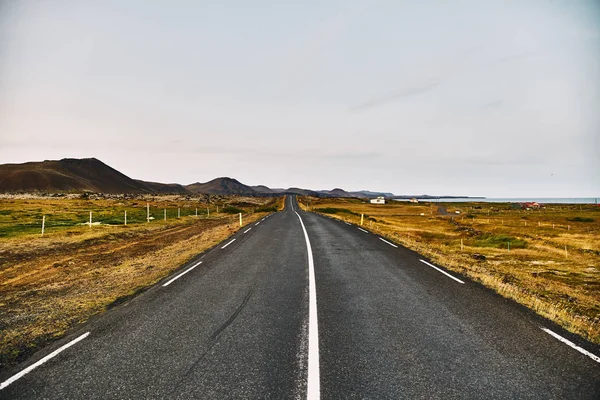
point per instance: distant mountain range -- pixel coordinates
(72, 175)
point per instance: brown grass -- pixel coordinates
(50, 284)
(564, 287)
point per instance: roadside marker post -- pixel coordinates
(43, 223)
(178, 212)
(147, 212)
(362, 219)
(207, 212)
(240, 219)
(90, 219)
(461, 245)
(125, 217)
(196, 212)
(165, 212)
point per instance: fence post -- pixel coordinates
(362, 218)
(566, 252)
(147, 212)
(196, 211)
(509, 247)
(240, 219)
(165, 212)
(461, 244)
(125, 217)
(90, 219)
(207, 212)
(178, 212)
(43, 224)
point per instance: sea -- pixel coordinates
(541, 200)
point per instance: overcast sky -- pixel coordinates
(492, 98)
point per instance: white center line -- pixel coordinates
(257, 223)
(182, 274)
(228, 244)
(313, 385)
(247, 230)
(442, 271)
(391, 244)
(347, 223)
(361, 229)
(571, 344)
(40, 362)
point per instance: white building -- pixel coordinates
(379, 200)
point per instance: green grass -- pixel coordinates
(580, 219)
(499, 241)
(232, 210)
(266, 209)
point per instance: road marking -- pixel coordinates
(182, 274)
(43, 360)
(256, 224)
(391, 244)
(247, 230)
(313, 385)
(442, 271)
(571, 344)
(228, 244)
(347, 223)
(361, 229)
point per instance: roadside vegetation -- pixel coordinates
(547, 259)
(51, 283)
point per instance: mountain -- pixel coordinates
(263, 189)
(371, 195)
(172, 188)
(337, 192)
(222, 186)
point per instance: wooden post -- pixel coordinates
(178, 212)
(362, 219)
(196, 211)
(240, 219)
(43, 223)
(566, 252)
(125, 217)
(147, 212)
(165, 212)
(217, 208)
(568, 227)
(207, 212)
(539, 223)
(461, 245)
(90, 219)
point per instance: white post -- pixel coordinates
(240, 219)
(43, 224)
(362, 218)
(539, 223)
(207, 212)
(125, 217)
(568, 227)
(165, 212)
(178, 212)
(552, 226)
(90, 219)
(217, 208)
(566, 252)
(147, 212)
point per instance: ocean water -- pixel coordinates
(541, 200)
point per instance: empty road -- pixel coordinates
(299, 305)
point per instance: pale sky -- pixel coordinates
(491, 98)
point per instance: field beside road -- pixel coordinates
(50, 283)
(547, 259)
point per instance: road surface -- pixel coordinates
(351, 316)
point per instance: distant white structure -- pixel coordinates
(379, 200)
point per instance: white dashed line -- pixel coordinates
(247, 230)
(361, 229)
(391, 244)
(40, 362)
(182, 274)
(442, 271)
(347, 223)
(313, 386)
(571, 344)
(256, 224)
(228, 244)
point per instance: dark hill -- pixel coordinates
(72, 175)
(222, 186)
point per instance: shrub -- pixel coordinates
(499, 241)
(580, 219)
(231, 210)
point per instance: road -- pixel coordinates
(242, 321)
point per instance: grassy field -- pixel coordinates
(546, 259)
(51, 283)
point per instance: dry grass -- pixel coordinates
(537, 272)
(49, 284)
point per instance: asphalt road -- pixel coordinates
(238, 326)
